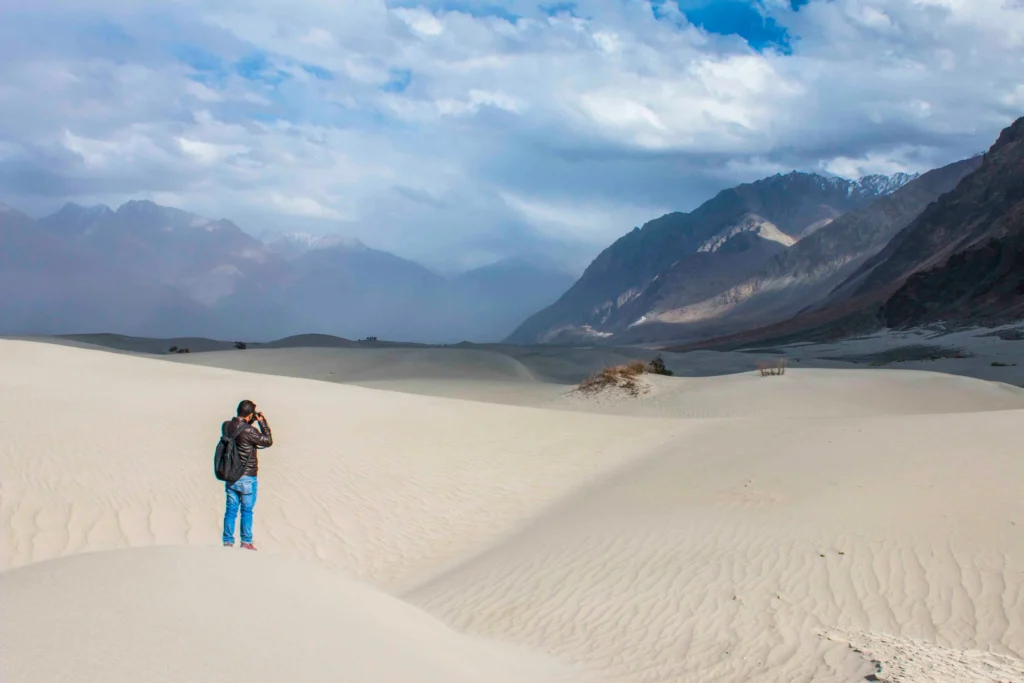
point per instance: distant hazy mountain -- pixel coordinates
(294, 244)
(624, 283)
(355, 291)
(151, 270)
(499, 296)
(207, 259)
(49, 284)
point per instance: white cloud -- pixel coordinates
(302, 206)
(209, 153)
(431, 130)
(597, 223)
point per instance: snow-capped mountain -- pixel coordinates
(294, 244)
(881, 185)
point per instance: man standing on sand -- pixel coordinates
(242, 493)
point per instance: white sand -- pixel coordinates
(796, 528)
(203, 614)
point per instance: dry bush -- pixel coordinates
(623, 377)
(770, 368)
(618, 376)
(657, 367)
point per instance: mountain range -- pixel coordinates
(801, 255)
(790, 256)
(664, 271)
(151, 270)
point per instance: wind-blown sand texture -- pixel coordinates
(825, 525)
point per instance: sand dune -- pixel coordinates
(203, 614)
(821, 526)
(108, 450)
(723, 557)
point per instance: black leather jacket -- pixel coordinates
(249, 441)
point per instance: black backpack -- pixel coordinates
(228, 465)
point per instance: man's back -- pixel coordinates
(249, 440)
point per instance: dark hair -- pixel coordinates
(246, 408)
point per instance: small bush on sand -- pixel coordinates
(241, 346)
(618, 376)
(173, 349)
(623, 377)
(657, 367)
(771, 368)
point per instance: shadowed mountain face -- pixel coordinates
(613, 294)
(150, 270)
(963, 259)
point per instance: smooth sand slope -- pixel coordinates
(821, 526)
(168, 615)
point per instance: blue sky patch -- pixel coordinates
(742, 18)
(256, 67)
(559, 8)
(470, 7)
(197, 58)
(209, 68)
(318, 72)
(399, 81)
(108, 32)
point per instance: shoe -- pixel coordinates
(249, 546)
(229, 545)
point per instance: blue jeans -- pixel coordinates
(240, 494)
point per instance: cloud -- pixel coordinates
(449, 131)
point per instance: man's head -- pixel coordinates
(247, 410)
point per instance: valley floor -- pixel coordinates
(459, 514)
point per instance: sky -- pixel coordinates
(457, 132)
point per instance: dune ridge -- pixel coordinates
(827, 525)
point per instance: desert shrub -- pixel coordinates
(997, 364)
(173, 349)
(618, 376)
(771, 368)
(657, 367)
(241, 346)
(623, 377)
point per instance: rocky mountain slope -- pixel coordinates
(801, 277)
(964, 258)
(961, 259)
(615, 292)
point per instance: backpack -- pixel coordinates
(228, 465)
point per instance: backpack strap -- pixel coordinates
(223, 435)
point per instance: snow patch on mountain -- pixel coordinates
(294, 244)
